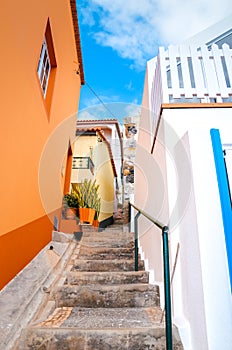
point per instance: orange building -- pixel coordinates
(41, 76)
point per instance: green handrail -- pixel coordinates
(167, 289)
(136, 242)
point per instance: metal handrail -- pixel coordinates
(167, 287)
(156, 222)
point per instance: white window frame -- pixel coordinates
(44, 67)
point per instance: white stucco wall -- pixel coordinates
(188, 195)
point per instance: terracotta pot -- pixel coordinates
(95, 224)
(91, 215)
(70, 213)
(84, 215)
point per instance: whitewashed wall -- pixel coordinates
(183, 156)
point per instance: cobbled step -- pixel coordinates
(113, 296)
(99, 329)
(82, 278)
(106, 265)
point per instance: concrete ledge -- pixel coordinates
(61, 237)
(22, 296)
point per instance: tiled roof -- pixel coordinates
(80, 129)
(101, 121)
(98, 121)
(77, 39)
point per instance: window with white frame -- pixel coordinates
(44, 67)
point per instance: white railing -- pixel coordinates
(156, 92)
(186, 75)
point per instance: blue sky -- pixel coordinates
(119, 36)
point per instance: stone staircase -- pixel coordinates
(100, 302)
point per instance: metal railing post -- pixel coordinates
(136, 242)
(167, 283)
(129, 216)
(167, 294)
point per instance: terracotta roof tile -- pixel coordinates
(98, 121)
(80, 129)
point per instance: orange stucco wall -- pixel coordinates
(27, 125)
(28, 240)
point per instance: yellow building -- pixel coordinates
(98, 155)
(40, 89)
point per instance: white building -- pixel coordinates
(130, 139)
(183, 181)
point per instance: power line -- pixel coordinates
(92, 90)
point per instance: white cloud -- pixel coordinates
(179, 20)
(89, 101)
(86, 115)
(136, 28)
(133, 109)
(97, 111)
(98, 101)
(119, 111)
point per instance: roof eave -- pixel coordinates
(77, 40)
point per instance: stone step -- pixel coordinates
(107, 296)
(105, 253)
(111, 236)
(115, 228)
(102, 303)
(106, 265)
(110, 243)
(82, 278)
(85, 248)
(111, 232)
(98, 329)
(111, 255)
(111, 228)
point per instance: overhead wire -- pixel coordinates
(104, 105)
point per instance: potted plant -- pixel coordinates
(83, 210)
(87, 194)
(70, 204)
(97, 206)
